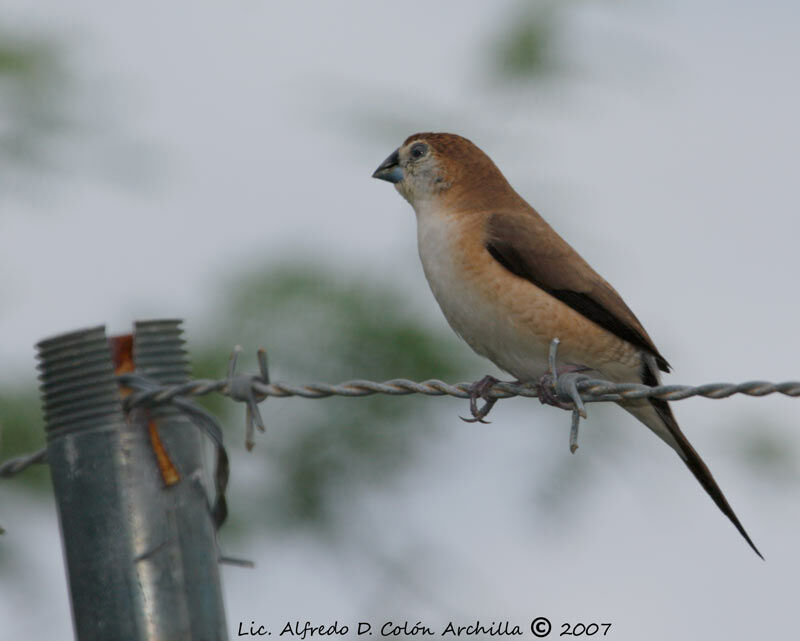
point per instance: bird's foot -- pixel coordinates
(548, 395)
(480, 389)
(547, 392)
(546, 389)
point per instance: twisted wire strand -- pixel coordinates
(597, 390)
(14, 466)
(592, 390)
(244, 387)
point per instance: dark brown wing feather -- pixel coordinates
(528, 247)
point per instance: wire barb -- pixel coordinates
(573, 432)
(241, 387)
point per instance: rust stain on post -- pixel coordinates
(122, 356)
(169, 473)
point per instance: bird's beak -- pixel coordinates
(390, 169)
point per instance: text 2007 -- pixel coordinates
(584, 629)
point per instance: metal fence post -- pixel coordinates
(139, 544)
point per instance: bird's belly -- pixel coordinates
(467, 296)
(493, 334)
(508, 319)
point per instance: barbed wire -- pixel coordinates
(14, 466)
(253, 389)
(591, 391)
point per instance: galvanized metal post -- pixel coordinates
(139, 543)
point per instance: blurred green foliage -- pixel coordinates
(22, 432)
(34, 84)
(525, 48)
(765, 451)
(319, 326)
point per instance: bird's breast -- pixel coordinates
(470, 288)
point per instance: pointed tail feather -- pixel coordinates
(657, 415)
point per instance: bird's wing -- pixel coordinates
(527, 246)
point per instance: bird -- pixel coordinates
(508, 284)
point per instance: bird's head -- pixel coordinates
(442, 169)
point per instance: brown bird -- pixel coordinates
(508, 284)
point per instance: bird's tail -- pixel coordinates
(657, 415)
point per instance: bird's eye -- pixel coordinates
(418, 150)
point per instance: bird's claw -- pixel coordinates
(551, 388)
(559, 382)
(547, 394)
(547, 385)
(480, 389)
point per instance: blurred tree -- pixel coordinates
(525, 48)
(319, 327)
(52, 124)
(33, 87)
(20, 416)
